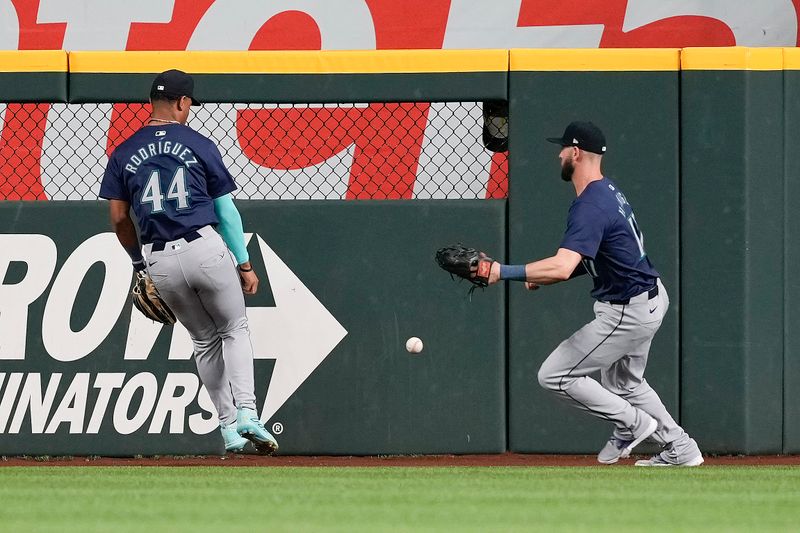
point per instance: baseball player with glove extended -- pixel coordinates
(603, 240)
(179, 189)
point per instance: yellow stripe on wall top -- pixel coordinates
(403, 61)
(595, 59)
(293, 62)
(33, 61)
(791, 58)
(732, 58)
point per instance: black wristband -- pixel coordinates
(245, 269)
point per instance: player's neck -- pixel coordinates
(581, 180)
(166, 114)
(158, 120)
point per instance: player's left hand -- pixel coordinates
(249, 282)
(494, 273)
(531, 286)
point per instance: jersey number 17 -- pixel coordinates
(637, 234)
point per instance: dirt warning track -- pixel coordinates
(506, 459)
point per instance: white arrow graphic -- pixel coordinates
(299, 332)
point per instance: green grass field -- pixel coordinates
(221, 500)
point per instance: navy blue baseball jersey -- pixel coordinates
(170, 175)
(602, 228)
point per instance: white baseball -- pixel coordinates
(414, 345)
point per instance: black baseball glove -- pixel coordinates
(466, 263)
(147, 300)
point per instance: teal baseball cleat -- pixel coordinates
(250, 427)
(233, 441)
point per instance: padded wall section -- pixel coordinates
(33, 76)
(297, 77)
(732, 248)
(791, 353)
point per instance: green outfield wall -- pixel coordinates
(700, 140)
(732, 218)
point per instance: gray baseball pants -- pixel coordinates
(616, 343)
(199, 281)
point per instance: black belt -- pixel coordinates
(652, 293)
(158, 246)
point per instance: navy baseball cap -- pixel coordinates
(174, 83)
(584, 135)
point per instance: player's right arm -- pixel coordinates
(548, 271)
(126, 231)
(581, 239)
(553, 269)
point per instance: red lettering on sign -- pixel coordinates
(387, 138)
(21, 152)
(423, 23)
(34, 36)
(126, 119)
(497, 187)
(610, 13)
(290, 30)
(175, 34)
(675, 32)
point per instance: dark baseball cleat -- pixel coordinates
(266, 448)
(250, 427)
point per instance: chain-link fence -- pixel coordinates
(331, 151)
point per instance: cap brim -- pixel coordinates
(556, 140)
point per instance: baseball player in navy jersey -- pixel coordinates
(180, 191)
(603, 240)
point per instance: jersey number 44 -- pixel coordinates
(176, 191)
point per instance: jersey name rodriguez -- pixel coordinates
(153, 149)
